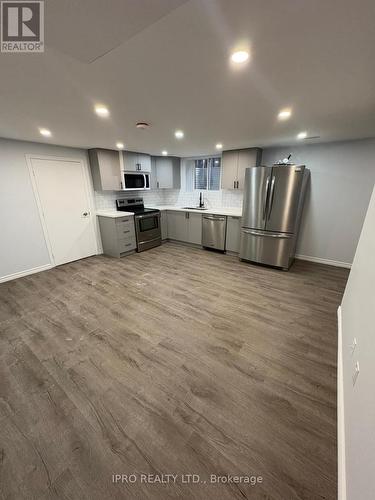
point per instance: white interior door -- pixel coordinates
(63, 199)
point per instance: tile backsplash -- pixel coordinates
(106, 200)
(212, 199)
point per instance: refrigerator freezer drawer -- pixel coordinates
(273, 249)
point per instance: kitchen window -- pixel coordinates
(204, 174)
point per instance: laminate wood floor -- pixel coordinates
(173, 361)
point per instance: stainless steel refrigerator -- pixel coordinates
(272, 208)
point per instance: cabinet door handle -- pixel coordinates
(128, 245)
(238, 184)
(157, 184)
(120, 184)
(128, 231)
(234, 184)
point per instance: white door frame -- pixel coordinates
(88, 189)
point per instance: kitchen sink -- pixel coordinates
(194, 208)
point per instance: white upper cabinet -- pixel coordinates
(130, 161)
(229, 165)
(105, 169)
(136, 161)
(166, 172)
(234, 164)
(144, 162)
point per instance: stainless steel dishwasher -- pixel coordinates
(213, 231)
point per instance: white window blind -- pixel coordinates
(207, 174)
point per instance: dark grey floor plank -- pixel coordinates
(175, 360)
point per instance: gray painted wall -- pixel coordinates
(342, 179)
(23, 246)
(343, 175)
(357, 313)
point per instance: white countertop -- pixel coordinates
(234, 212)
(114, 214)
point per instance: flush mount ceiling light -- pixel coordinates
(101, 111)
(240, 56)
(285, 114)
(164, 153)
(219, 145)
(120, 145)
(45, 132)
(302, 135)
(142, 125)
(179, 134)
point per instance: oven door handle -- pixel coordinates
(147, 216)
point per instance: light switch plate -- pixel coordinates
(356, 373)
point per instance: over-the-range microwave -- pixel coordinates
(135, 180)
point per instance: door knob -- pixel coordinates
(85, 214)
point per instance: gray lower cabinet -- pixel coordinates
(232, 243)
(185, 226)
(164, 224)
(118, 235)
(105, 169)
(195, 228)
(177, 226)
(165, 172)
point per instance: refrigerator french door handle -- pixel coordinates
(271, 197)
(265, 201)
(268, 235)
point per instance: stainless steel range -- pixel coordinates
(147, 222)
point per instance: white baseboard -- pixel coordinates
(14, 276)
(327, 262)
(340, 414)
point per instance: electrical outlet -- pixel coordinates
(356, 373)
(353, 345)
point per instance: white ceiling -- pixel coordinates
(167, 62)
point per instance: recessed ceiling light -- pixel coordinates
(219, 145)
(101, 111)
(285, 114)
(164, 153)
(179, 134)
(302, 135)
(120, 145)
(45, 132)
(240, 56)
